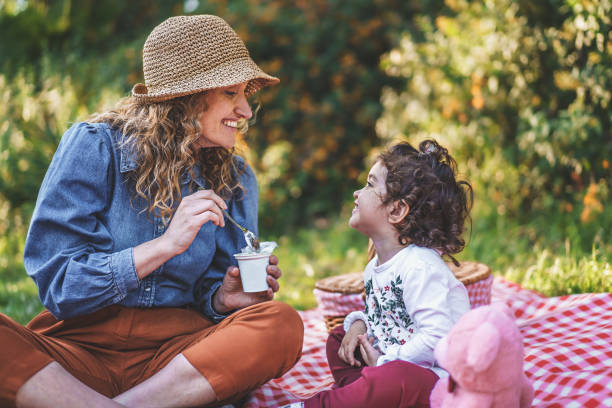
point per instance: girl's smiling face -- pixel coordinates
(369, 215)
(219, 121)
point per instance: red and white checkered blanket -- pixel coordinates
(568, 351)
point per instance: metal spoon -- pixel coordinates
(249, 236)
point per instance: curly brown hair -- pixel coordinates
(439, 205)
(162, 135)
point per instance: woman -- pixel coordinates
(130, 252)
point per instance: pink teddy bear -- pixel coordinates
(483, 354)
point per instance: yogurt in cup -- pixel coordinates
(253, 264)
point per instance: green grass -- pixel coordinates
(555, 275)
(315, 253)
(543, 263)
(19, 299)
(548, 267)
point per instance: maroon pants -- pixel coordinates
(394, 384)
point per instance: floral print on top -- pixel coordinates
(386, 312)
(412, 301)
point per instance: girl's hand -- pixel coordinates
(230, 295)
(350, 342)
(368, 352)
(194, 211)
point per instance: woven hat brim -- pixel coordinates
(227, 74)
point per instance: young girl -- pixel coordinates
(414, 211)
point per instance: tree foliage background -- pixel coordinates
(519, 91)
(522, 92)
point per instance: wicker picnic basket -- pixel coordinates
(339, 295)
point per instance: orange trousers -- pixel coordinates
(116, 348)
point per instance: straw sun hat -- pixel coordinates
(190, 54)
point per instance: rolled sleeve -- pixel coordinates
(124, 272)
(353, 317)
(209, 311)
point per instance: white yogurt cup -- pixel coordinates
(253, 271)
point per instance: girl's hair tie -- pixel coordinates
(428, 150)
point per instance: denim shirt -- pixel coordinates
(87, 221)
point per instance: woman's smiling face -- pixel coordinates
(219, 121)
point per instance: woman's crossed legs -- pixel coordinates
(146, 357)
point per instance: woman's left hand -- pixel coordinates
(368, 352)
(230, 295)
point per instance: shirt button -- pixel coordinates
(147, 289)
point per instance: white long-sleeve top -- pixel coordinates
(412, 301)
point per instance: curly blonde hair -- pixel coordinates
(162, 136)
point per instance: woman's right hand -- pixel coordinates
(350, 343)
(194, 211)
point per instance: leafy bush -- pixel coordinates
(520, 91)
